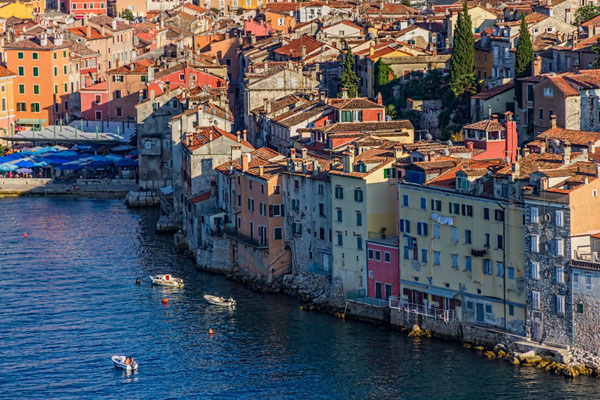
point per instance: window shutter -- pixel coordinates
(270, 210)
(282, 210)
(407, 226)
(425, 228)
(419, 228)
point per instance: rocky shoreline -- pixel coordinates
(323, 294)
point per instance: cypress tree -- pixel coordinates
(381, 74)
(349, 79)
(462, 61)
(523, 59)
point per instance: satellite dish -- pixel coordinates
(507, 160)
(428, 136)
(556, 142)
(449, 143)
(446, 152)
(388, 118)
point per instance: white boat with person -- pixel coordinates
(166, 280)
(126, 363)
(220, 301)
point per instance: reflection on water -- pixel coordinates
(69, 302)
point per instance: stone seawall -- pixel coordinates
(438, 327)
(116, 188)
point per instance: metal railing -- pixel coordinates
(251, 241)
(360, 296)
(316, 268)
(425, 310)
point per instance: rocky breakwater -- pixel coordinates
(585, 364)
(309, 288)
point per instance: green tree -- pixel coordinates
(127, 14)
(406, 3)
(462, 61)
(382, 75)
(585, 13)
(349, 79)
(523, 59)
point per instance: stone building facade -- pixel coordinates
(307, 199)
(548, 271)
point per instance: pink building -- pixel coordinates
(94, 102)
(496, 140)
(383, 268)
(81, 8)
(184, 75)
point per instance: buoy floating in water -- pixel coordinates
(210, 332)
(165, 301)
(138, 281)
(24, 235)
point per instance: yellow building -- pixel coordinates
(363, 205)
(21, 9)
(461, 252)
(7, 102)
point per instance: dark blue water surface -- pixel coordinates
(69, 301)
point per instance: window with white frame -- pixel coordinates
(559, 216)
(455, 261)
(535, 299)
(280, 22)
(560, 304)
(588, 282)
(560, 275)
(534, 214)
(454, 235)
(576, 280)
(535, 270)
(436, 258)
(436, 231)
(560, 247)
(535, 243)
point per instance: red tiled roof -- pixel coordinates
(294, 48)
(580, 138)
(486, 125)
(207, 134)
(5, 72)
(354, 103)
(494, 91)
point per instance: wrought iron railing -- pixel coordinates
(233, 234)
(427, 311)
(360, 296)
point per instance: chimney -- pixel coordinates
(152, 95)
(114, 25)
(592, 147)
(239, 138)
(552, 121)
(261, 170)
(348, 161)
(304, 166)
(43, 40)
(512, 137)
(314, 167)
(344, 93)
(245, 161)
(597, 170)
(236, 152)
(566, 152)
(574, 39)
(516, 169)
(379, 99)
(150, 74)
(371, 49)
(304, 153)
(252, 39)
(267, 106)
(537, 66)
(245, 135)
(58, 39)
(397, 152)
(303, 52)
(470, 146)
(293, 154)
(495, 117)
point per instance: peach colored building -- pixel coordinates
(42, 82)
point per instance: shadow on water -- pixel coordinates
(69, 302)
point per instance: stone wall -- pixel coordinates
(585, 325)
(367, 312)
(480, 336)
(438, 327)
(218, 259)
(148, 198)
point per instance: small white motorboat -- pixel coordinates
(220, 301)
(166, 280)
(120, 362)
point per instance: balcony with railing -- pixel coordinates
(233, 234)
(426, 311)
